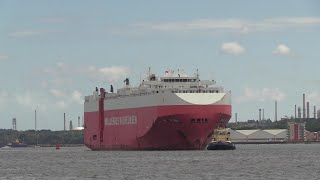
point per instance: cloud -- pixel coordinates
(232, 48)
(265, 94)
(281, 49)
(202, 24)
(229, 25)
(61, 104)
(22, 34)
(3, 57)
(59, 74)
(57, 93)
(297, 21)
(77, 97)
(31, 101)
(110, 74)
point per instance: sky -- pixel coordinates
(53, 53)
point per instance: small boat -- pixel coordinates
(221, 146)
(17, 144)
(221, 140)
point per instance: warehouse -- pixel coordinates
(258, 135)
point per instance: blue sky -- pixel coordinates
(52, 53)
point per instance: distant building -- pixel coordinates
(318, 113)
(258, 135)
(312, 136)
(296, 131)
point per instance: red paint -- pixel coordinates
(57, 146)
(159, 127)
(101, 113)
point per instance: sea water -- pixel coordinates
(283, 161)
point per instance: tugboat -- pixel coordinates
(221, 140)
(17, 144)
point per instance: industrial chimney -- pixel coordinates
(304, 106)
(275, 111)
(64, 121)
(70, 126)
(295, 111)
(314, 112)
(299, 112)
(259, 114)
(236, 117)
(308, 110)
(14, 124)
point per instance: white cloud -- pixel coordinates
(282, 49)
(57, 93)
(231, 25)
(111, 74)
(59, 74)
(3, 57)
(32, 101)
(265, 94)
(233, 48)
(77, 97)
(294, 20)
(22, 34)
(61, 104)
(202, 24)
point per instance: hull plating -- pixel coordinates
(176, 127)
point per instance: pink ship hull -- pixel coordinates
(175, 127)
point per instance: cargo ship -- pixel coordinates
(171, 112)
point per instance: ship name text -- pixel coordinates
(123, 120)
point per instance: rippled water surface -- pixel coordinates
(290, 161)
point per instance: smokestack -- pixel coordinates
(35, 120)
(304, 106)
(308, 110)
(262, 114)
(78, 121)
(14, 124)
(64, 121)
(70, 126)
(259, 114)
(275, 111)
(314, 112)
(295, 111)
(236, 116)
(299, 112)
(82, 122)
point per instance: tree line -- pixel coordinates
(44, 137)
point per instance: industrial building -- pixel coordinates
(296, 132)
(258, 136)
